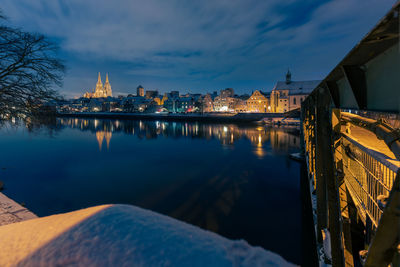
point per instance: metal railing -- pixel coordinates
(367, 177)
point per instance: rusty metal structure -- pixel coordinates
(351, 134)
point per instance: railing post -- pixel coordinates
(343, 195)
(322, 211)
(327, 174)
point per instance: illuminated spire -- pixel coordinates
(99, 88)
(107, 87)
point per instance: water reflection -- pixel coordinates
(205, 174)
(281, 139)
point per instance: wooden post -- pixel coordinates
(326, 166)
(322, 211)
(343, 200)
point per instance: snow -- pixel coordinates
(123, 235)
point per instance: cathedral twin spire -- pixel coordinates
(102, 91)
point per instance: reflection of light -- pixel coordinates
(259, 151)
(259, 140)
(108, 138)
(225, 129)
(100, 135)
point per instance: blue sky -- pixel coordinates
(196, 46)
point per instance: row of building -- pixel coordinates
(285, 96)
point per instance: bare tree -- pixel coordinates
(29, 70)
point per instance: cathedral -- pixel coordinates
(100, 91)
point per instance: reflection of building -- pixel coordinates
(100, 135)
(100, 91)
(288, 95)
(282, 139)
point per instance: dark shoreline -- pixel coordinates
(241, 117)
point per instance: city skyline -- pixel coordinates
(197, 48)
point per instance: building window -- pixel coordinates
(294, 101)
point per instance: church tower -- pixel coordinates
(99, 88)
(107, 87)
(288, 77)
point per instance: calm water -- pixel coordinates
(236, 180)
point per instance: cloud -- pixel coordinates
(179, 43)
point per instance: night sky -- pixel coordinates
(196, 46)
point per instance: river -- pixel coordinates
(233, 179)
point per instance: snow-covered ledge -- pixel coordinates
(123, 235)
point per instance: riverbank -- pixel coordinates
(209, 117)
(12, 212)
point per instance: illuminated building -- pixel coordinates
(185, 104)
(223, 104)
(288, 95)
(160, 101)
(140, 91)
(258, 102)
(207, 103)
(241, 106)
(100, 91)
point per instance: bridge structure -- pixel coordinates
(351, 137)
